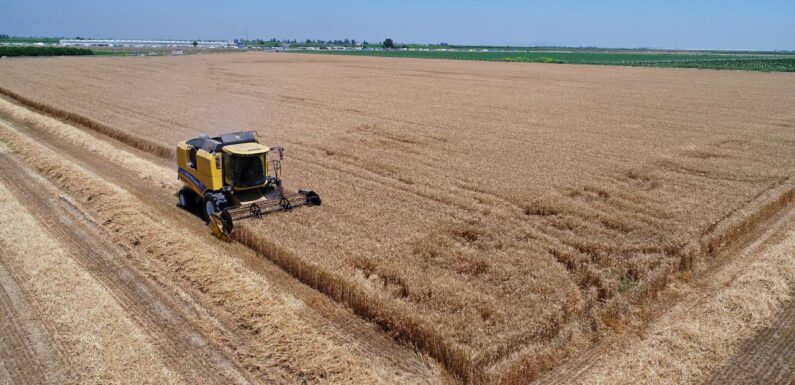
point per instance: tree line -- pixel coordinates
(43, 51)
(387, 43)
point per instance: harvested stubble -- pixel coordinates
(499, 215)
(103, 343)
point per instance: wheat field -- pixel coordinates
(499, 216)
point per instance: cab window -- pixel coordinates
(192, 157)
(227, 169)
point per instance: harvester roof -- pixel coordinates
(245, 149)
(215, 144)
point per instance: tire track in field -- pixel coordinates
(184, 348)
(28, 353)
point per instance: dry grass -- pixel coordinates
(104, 345)
(498, 215)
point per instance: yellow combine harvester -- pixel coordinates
(232, 178)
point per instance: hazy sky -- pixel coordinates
(728, 24)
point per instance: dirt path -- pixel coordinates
(185, 349)
(28, 353)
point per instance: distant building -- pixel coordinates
(142, 43)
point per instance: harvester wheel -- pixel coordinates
(187, 198)
(209, 208)
(313, 198)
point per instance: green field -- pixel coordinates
(29, 40)
(767, 62)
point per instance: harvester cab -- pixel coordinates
(234, 177)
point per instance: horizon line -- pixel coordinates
(302, 41)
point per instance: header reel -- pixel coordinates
(222, 223)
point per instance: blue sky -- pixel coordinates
(708, 24)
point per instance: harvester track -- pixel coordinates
(187, 351)
(28, 352)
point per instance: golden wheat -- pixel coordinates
(498, 215)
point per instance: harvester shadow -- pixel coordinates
(768, 357)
